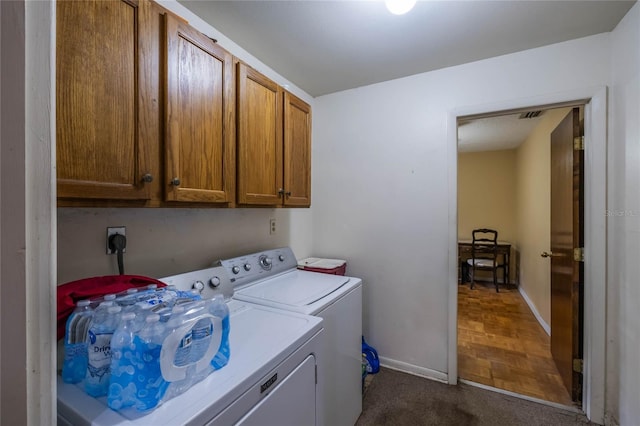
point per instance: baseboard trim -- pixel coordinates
(521, 396)
(535, 312)
(414, 370)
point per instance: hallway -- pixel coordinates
(501, 344)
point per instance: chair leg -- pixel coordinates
(473, 276)
(495, 280)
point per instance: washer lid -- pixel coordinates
(295, 288)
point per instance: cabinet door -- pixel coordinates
(297, 152)
(200, 132)
(259, 139)
(102, 149)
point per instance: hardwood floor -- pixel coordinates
(501, 344)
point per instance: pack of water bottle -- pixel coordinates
(140, 348)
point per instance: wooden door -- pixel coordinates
(297, 152)
(567, 282)
(102, 147)
(200, 132)
(260, 142)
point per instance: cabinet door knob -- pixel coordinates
(175, 181)
(147, 178)
(288, 193)
(280, 192)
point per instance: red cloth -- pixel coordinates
(91, 288)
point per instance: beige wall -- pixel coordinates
(532, 212)
(486, 193)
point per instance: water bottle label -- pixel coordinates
(77, 328)
(184, 350)
(203, 332)
(99, 351)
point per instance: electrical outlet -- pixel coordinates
(112, 230)
(272, 226)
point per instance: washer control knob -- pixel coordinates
(198, 285)
(265, 261)
(281, 258)
(235, 269)
(247, 266)
(214, 282)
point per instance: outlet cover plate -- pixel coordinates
(112, 230)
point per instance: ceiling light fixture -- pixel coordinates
(399, 7)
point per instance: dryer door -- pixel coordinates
(292, 402)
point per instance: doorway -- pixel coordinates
(504, 184)
(595, 168)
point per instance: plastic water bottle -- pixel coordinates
(74, 366)
(150, 386)
(127, 298)
(221, 310)
(106, 298)
(99, 350)
(122, 389)
(158, 297)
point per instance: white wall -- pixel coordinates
(381, 185)
(13, 352)
(27, 388)
(623, 324)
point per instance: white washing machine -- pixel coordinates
(271, 278)
(271, 378)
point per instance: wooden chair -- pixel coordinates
(484, 254)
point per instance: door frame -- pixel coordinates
(595, 181)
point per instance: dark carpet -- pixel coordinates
(398, 399)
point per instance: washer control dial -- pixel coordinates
(214, 282)
(235, 270)
(265, 262)
(247, 267)
(198, 285)
(281, 258)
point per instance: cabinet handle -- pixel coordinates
(147, 178)
(288, 193)
(175, 182)
(280, 192)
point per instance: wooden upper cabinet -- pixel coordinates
(102, 146)
(297, 152)
(200, 118)
(260, 155)
(274, 143)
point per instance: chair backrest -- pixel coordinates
(484, 244)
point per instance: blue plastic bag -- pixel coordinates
(371, 355)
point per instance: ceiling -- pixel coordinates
(330, 46)
(495, 133)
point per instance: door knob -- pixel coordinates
(546, 254)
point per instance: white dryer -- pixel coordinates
(271, 278)
(271, 377)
